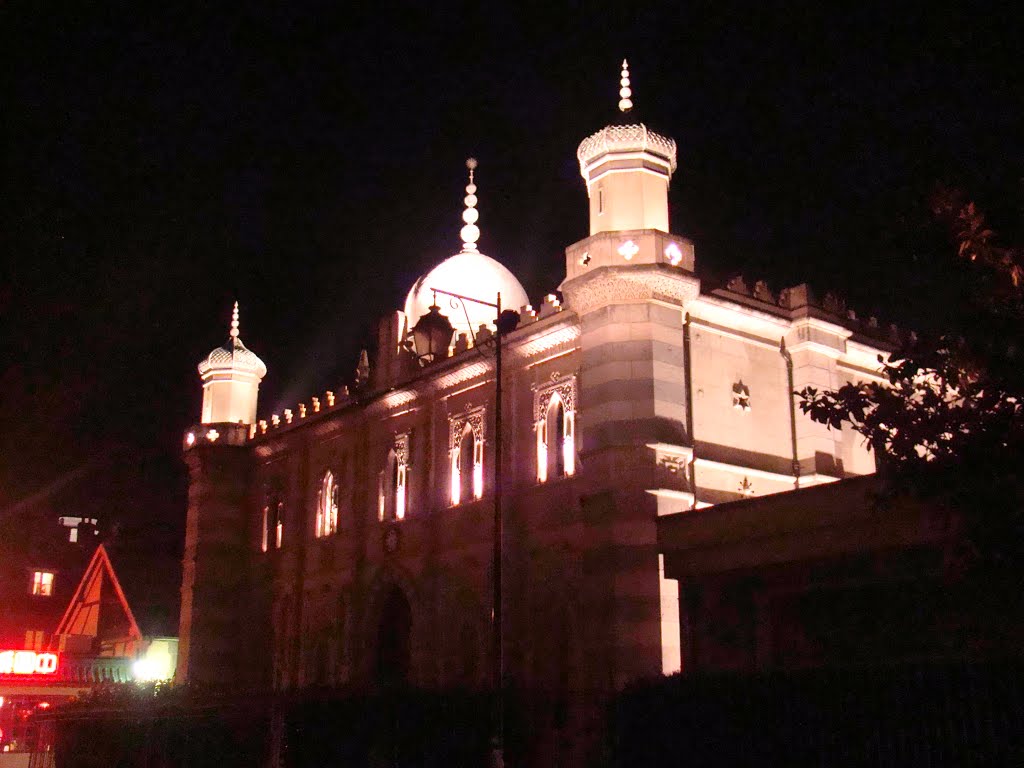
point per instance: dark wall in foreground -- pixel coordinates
(905, 716)
(934, 715)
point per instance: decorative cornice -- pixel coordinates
(621, 286)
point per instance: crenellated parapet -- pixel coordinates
(801, 299)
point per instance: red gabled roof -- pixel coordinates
(88, 611)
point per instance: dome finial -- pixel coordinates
(470, 233)
(625, 103)
(234, 322)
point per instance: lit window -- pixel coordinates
(392, 496)
(556, 430)
(272, 524)
(466, 449)
(327, 506)
(42, 583)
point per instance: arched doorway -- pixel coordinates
(394, 638)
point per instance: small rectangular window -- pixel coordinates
(42, 583)
(600, 201)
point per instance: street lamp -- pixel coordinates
(432, 335)
(428, 335)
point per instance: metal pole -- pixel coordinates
(496, 554)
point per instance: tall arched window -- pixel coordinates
(327, 506)
(467, 450)
(466, 446)
(392, 498)
(388, 487)
(272, 522)
(556, 427)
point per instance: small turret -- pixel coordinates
(231, 380)
(627, 168)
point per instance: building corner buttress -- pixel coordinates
(217, 604)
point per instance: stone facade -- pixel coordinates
(637, 395)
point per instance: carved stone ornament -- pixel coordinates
(566, 390)
(737, 285)
(628, 285)
(674, 464)
(457, 425)
(763, 293)
(392, 539)
(402, 449)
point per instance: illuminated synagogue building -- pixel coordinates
(348, 540)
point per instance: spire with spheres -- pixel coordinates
(231, 377)
(627, 167)
(625, 92)
(470, 233)
(233, 333)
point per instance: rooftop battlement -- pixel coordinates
(802, 299)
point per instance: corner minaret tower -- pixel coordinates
(630, 282)
(627, 168)
(231, 381)
(218, 602)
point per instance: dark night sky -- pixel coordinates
(307, 159)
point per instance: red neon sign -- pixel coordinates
(27, 663)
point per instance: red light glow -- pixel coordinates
(27, 663)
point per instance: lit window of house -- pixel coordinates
(466, 450)
(42, 583)
(555, 425)
(392, 496)
(327, 506)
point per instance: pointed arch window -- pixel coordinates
(272, 524)
(466, 451)
(327, 506)
(392, 499)
(555, 425)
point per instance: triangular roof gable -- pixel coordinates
(82, 616)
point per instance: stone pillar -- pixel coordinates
(815, 346)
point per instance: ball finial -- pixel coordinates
(470, 233)
(625, 103)
(234, 322)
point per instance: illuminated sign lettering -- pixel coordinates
(27, 663)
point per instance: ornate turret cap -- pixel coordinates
(233, 356)
(625, 138)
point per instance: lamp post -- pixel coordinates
(428, 335)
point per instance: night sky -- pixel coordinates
(307, 159)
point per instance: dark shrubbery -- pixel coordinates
(921, 715)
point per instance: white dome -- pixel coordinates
(468, 274)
